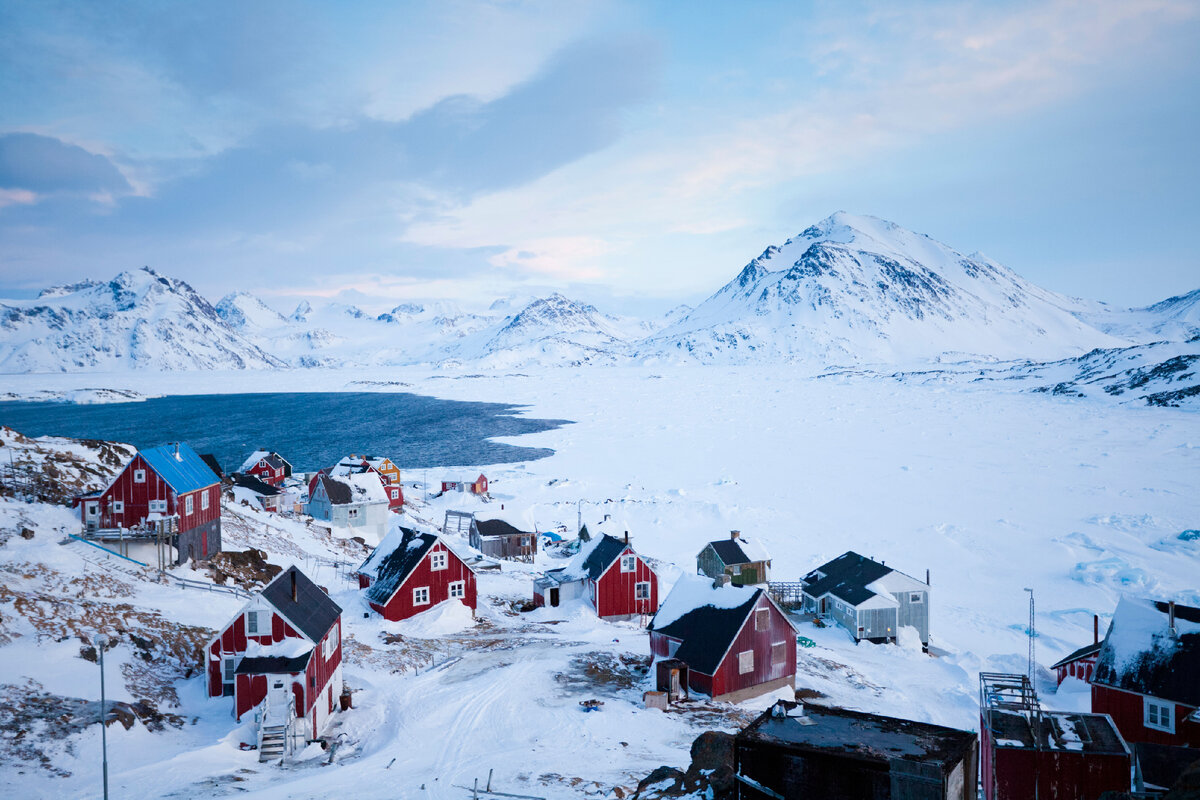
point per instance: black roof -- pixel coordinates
(339, 493)
(846, 577)
(266, 665)
(706, 633)
(497, 527)
(1167, 669)
(1163, 764)
(1082, 652)
(860, 736)
(730, 552)
(213, 464)
(252, 483)
(602, 556)
(396, 565)
(313, 611)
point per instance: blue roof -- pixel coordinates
(185, 472)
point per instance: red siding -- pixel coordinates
(728, 679)
(1051, 775)
(1128, 712)
(232, 641)
(400, 606)
(660, 644)
(1081, 668)
(267, 474)
(614, 594)
(319, 672)
(137, 496)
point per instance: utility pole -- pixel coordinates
(101, 641)
(1032, 635)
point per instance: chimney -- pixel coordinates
(735, 534)
(927, 576)
(1171, 618)
(626, 537)
(177, 450)
(1095, 629)
(293, 573)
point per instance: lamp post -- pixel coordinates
(101, 641)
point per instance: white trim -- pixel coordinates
(637, 587)
(420, 599)
(462, 590)
(1155, 711)
(745, 668)
(188, 505)
(118, 506)
(139, 476)
(632, 558)
(204, 499)
(438, 560)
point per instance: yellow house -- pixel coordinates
(383, 465)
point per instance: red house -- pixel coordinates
(729, 642)
(357, 465)
(1147, 676)
(284, 648)
(268, 466)
(411, 572)
(168, 484)
(606, 571)
(477, 486)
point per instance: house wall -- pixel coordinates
(727, 679)
(877, 623)
(914, 614)
(508, 547)
(233, 638)
(401, 606)
(323, 682)
(1128, 713)
(615, 590)
(1081, 668)
(709, 563)
(749, 574)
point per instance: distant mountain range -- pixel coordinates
(851, 291)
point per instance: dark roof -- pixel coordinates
(497, 527)
(602, 556)
(1082, 652)
(252, 483)
(729, 552)
(313, 612)
(706, 633)
(846, 577)
(1163, 764)
(274, 460)
(860, 736)
(213, 464)
(392, 568)
(339, 493)
(1167, 665)
(180, 466)
(1054, 730)
(266, 665)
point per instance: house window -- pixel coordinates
(229, 668)
(524, 541)
(252, 622)
(458, 589)
(915, 597)
(745, 662)
(92, 509)
(159, 506)
(642, 590)
(187, 505)
(262, 464)
(352, 513)
(437, 561)
(395, 494)
(139, 476)
(332, 641)
(736, 569)
(421, 596)
(1159, 715)
(118, 506)
(778, 653)
(628, 563)
(762, 619)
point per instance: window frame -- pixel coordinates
(745, 662)
(763, 614)
(204, 499)
(139, 476)
(460, 587)
(332, 640)
(1154, 711)
(158, 506)
(916, 597)
(229, 669)
(188, 505)
(781, 648)
(631, 560)
(395, 493)
(118, 506)
(421, 596)
(253, 623)
(439, 560)
(637, 590)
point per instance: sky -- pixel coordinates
(633, 155)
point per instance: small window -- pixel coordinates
(395, 494)
(187, 505)
(736, 569)
(437, 561)
(762, 619)
(332, 641)
(1159, 715)
(628, 563)
(93, 509)
(252, 623)
(745, 662)
(139, 476)
(421, 596)
(352, 513)
(524, 541)
(230, 667)
(118, 506)
(778, 653)
(262, 464)
(458, 589)
(204, 500)
(642, 590)
(159, 506)
(915, 597)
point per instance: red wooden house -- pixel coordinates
(411, 572)
(1082, 662)
(607, 572)
(1147, 676)
(357, 465)
(729, 642)
(477, 486)
(268, 466)
(168, 484)
(283, 647)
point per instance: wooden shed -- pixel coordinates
(746, 562)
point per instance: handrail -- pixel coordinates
(188, 583)
(105, 549)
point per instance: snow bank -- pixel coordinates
(447, 617)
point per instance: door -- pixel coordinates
(278, 698)
(554, 597)
(822, 610)
(93, 512)
(204, 543)
(673, 691)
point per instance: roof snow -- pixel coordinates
(1141, 655)
(593, 558)
(360, 488)
(739, 551)
(691, 593)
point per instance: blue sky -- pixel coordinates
(632, 154)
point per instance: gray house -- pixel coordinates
(868, 599)
(358, 502)
(493, 537)
(746, 562)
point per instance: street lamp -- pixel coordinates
(101, 642)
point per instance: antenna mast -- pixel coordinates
(1032, 631)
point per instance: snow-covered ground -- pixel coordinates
(991, 488)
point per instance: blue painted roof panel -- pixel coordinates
(185, 471)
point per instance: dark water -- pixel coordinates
(311, 430)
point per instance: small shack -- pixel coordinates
(746, 562)
(1028, 752)
(795, 750)
(1080, 663)
(493, 537)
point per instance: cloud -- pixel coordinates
(43, 165)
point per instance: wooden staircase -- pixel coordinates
(272, 741)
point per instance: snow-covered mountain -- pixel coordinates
(1174, 319)
(138, 320)
(243, 311)
(857, 289)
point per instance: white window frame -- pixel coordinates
(228, 669)
(629, 563)
(745, 662)
(188, 505)
(118, 507)
(159, 506)
(332, 641)
(458, 590)
(139, 476)
(351, 513)
(262, 464)
(763, 614)
(1154, 711)
(916, 597)
(735, 569)
(93, 508)
(253, 623)
(421, 596)
(204, 500)
(641, 590)
(438, 560)
(395, 494)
